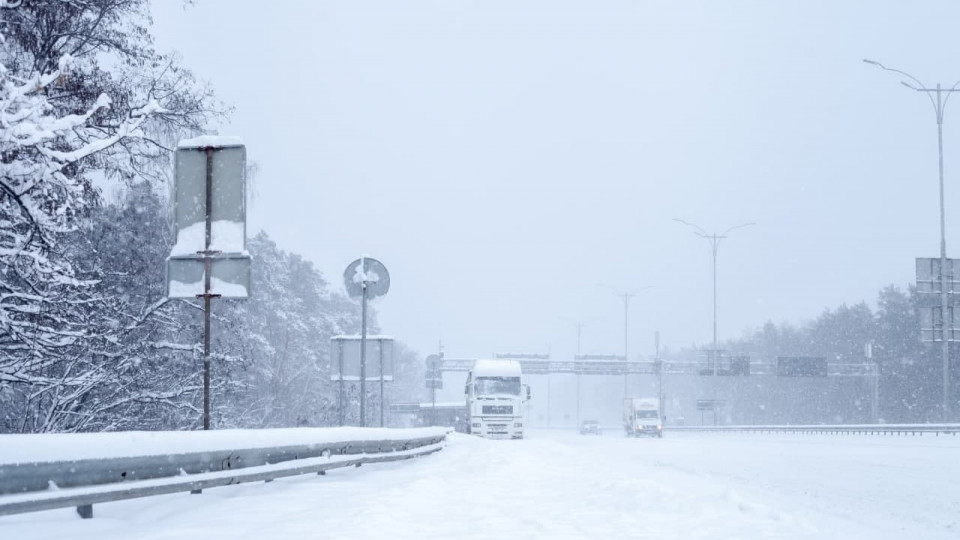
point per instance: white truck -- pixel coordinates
(642, 416)
(495, 397)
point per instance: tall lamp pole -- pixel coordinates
(659, 368)
(626, 312)
(939, 102)
(714, 240)
(580, 326)
(626, 351)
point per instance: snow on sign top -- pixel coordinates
(496, 368)
(226, 236)
(370, 276)
(211, 141)
(366, 273)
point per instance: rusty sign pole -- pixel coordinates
(207, 295)
(200, 251)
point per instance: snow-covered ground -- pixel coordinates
(557, 484)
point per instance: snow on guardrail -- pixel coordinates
(860, 429)
(45, 471)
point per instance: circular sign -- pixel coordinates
(369, 273)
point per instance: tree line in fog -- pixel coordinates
(910, 370)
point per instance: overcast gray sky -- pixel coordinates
(504, 158)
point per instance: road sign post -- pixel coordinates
(346, 349)
(938, 295)
(367, 278)
(434, 379)
(709, 405)
(209, 259)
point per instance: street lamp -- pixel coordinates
(626, 308)
(714, 240)
(580, 326)
(938, 106)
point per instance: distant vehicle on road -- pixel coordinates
(590, 427)
(641, 416)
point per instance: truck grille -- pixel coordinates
(497, 409)
(497, 429)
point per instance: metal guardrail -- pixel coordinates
(32, 487)
(855, 429)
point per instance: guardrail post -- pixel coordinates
(85, 511)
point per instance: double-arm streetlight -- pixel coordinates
(939, 102)
(714, 240)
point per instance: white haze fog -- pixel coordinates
(175, 363)
(505, 158)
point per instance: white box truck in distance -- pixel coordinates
(641, 416)
(495, 397)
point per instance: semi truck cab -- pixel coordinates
(495, 397)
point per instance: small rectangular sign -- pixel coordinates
(227, 205)
(933, 326)
(229, 276)
(709, 404)
(929, 276)
(405, 407)
(345, 351)
(801, 366)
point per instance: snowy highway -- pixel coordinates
(557, 484)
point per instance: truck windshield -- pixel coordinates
(646, 414)
(498, 385)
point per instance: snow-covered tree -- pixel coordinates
(276, 343)
(87, 339)
(83, 96)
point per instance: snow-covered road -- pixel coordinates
(557, 484)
